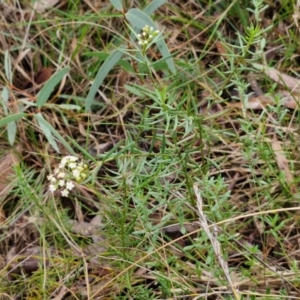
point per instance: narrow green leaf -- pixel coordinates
(49, 86)
(153, 6)
(7, 66)
(109, 63)
(5, 97)
(11, 118)
(133, 90)
(45, 128)
(64, 106)
(42, 121)
(82, 150)
(103, 56)
(139, 19)
(117, 4)
(11, 132)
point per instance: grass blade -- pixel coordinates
(11, 118)
(7, 66)
(44, 124)
(49, 86)
(45, 128)
(109, 63)
(139, 19)
(11, 132)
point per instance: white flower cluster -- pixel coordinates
(147, 35)
(70, 168)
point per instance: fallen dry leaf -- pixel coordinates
(43, 75)
(7, 162)
(283, 164)
(286, 80)
(221, 48)
(290, 100)
(254, 103)
(2, 215)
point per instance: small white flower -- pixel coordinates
(72, 165)
(139, 36)
(73, 158)
(70, 185)
(65, 193)
(61, 175)
(51, 178)
(144, 33)
(151, 28)
(150, 36)
(140, 42)
(61, 183)
(76, 173)
(67, 159)
(52, 188)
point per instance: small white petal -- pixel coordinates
(72, 165)
(73, 158)
(70, 185)
(49, 177)
(61, 175)
(61, 183)
(65, 193)
(76, 173)
(52, 188)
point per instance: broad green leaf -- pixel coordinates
(11, 132)
(42, 121)
(153, 6)
(7, 66)
(139, 19)
(49, 86)
(109, 63)
(12, 118)
(117, 4)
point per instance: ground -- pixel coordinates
(157, 162)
